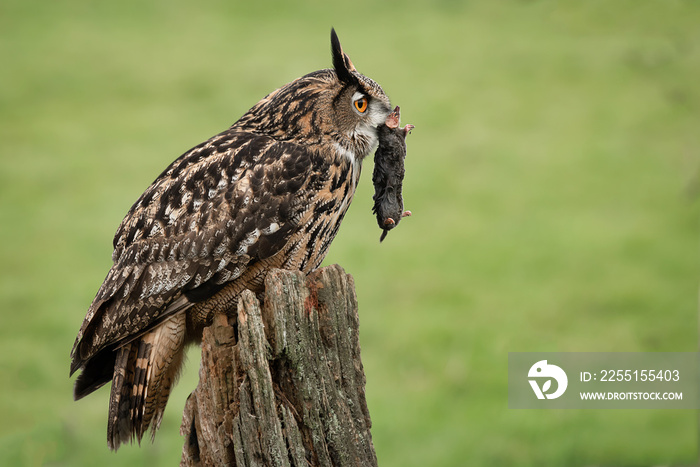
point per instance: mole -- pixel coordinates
(389, 172)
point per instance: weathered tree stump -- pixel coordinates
(284, 384)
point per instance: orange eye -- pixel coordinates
(361, 104)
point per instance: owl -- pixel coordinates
(268, 192)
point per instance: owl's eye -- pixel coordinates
(361, 104)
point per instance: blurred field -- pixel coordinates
(554, 176)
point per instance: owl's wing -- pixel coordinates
(220, 207)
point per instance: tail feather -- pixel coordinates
(144, 372)
(164, 371)
(119, 429)
(139, 386)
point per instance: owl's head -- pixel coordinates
(338, 109)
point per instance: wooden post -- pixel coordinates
(283, 385)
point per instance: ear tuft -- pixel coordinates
(341, 62)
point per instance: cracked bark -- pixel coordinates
(283, 385)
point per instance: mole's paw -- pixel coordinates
(407, 129)
(392, 121)
(389, 221)
(407, 214)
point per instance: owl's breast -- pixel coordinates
(333, 190)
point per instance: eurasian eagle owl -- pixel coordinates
(269, 192)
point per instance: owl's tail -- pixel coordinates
(145, 371)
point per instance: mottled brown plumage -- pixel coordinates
(269, 192)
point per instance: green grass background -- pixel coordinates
(553, 176)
